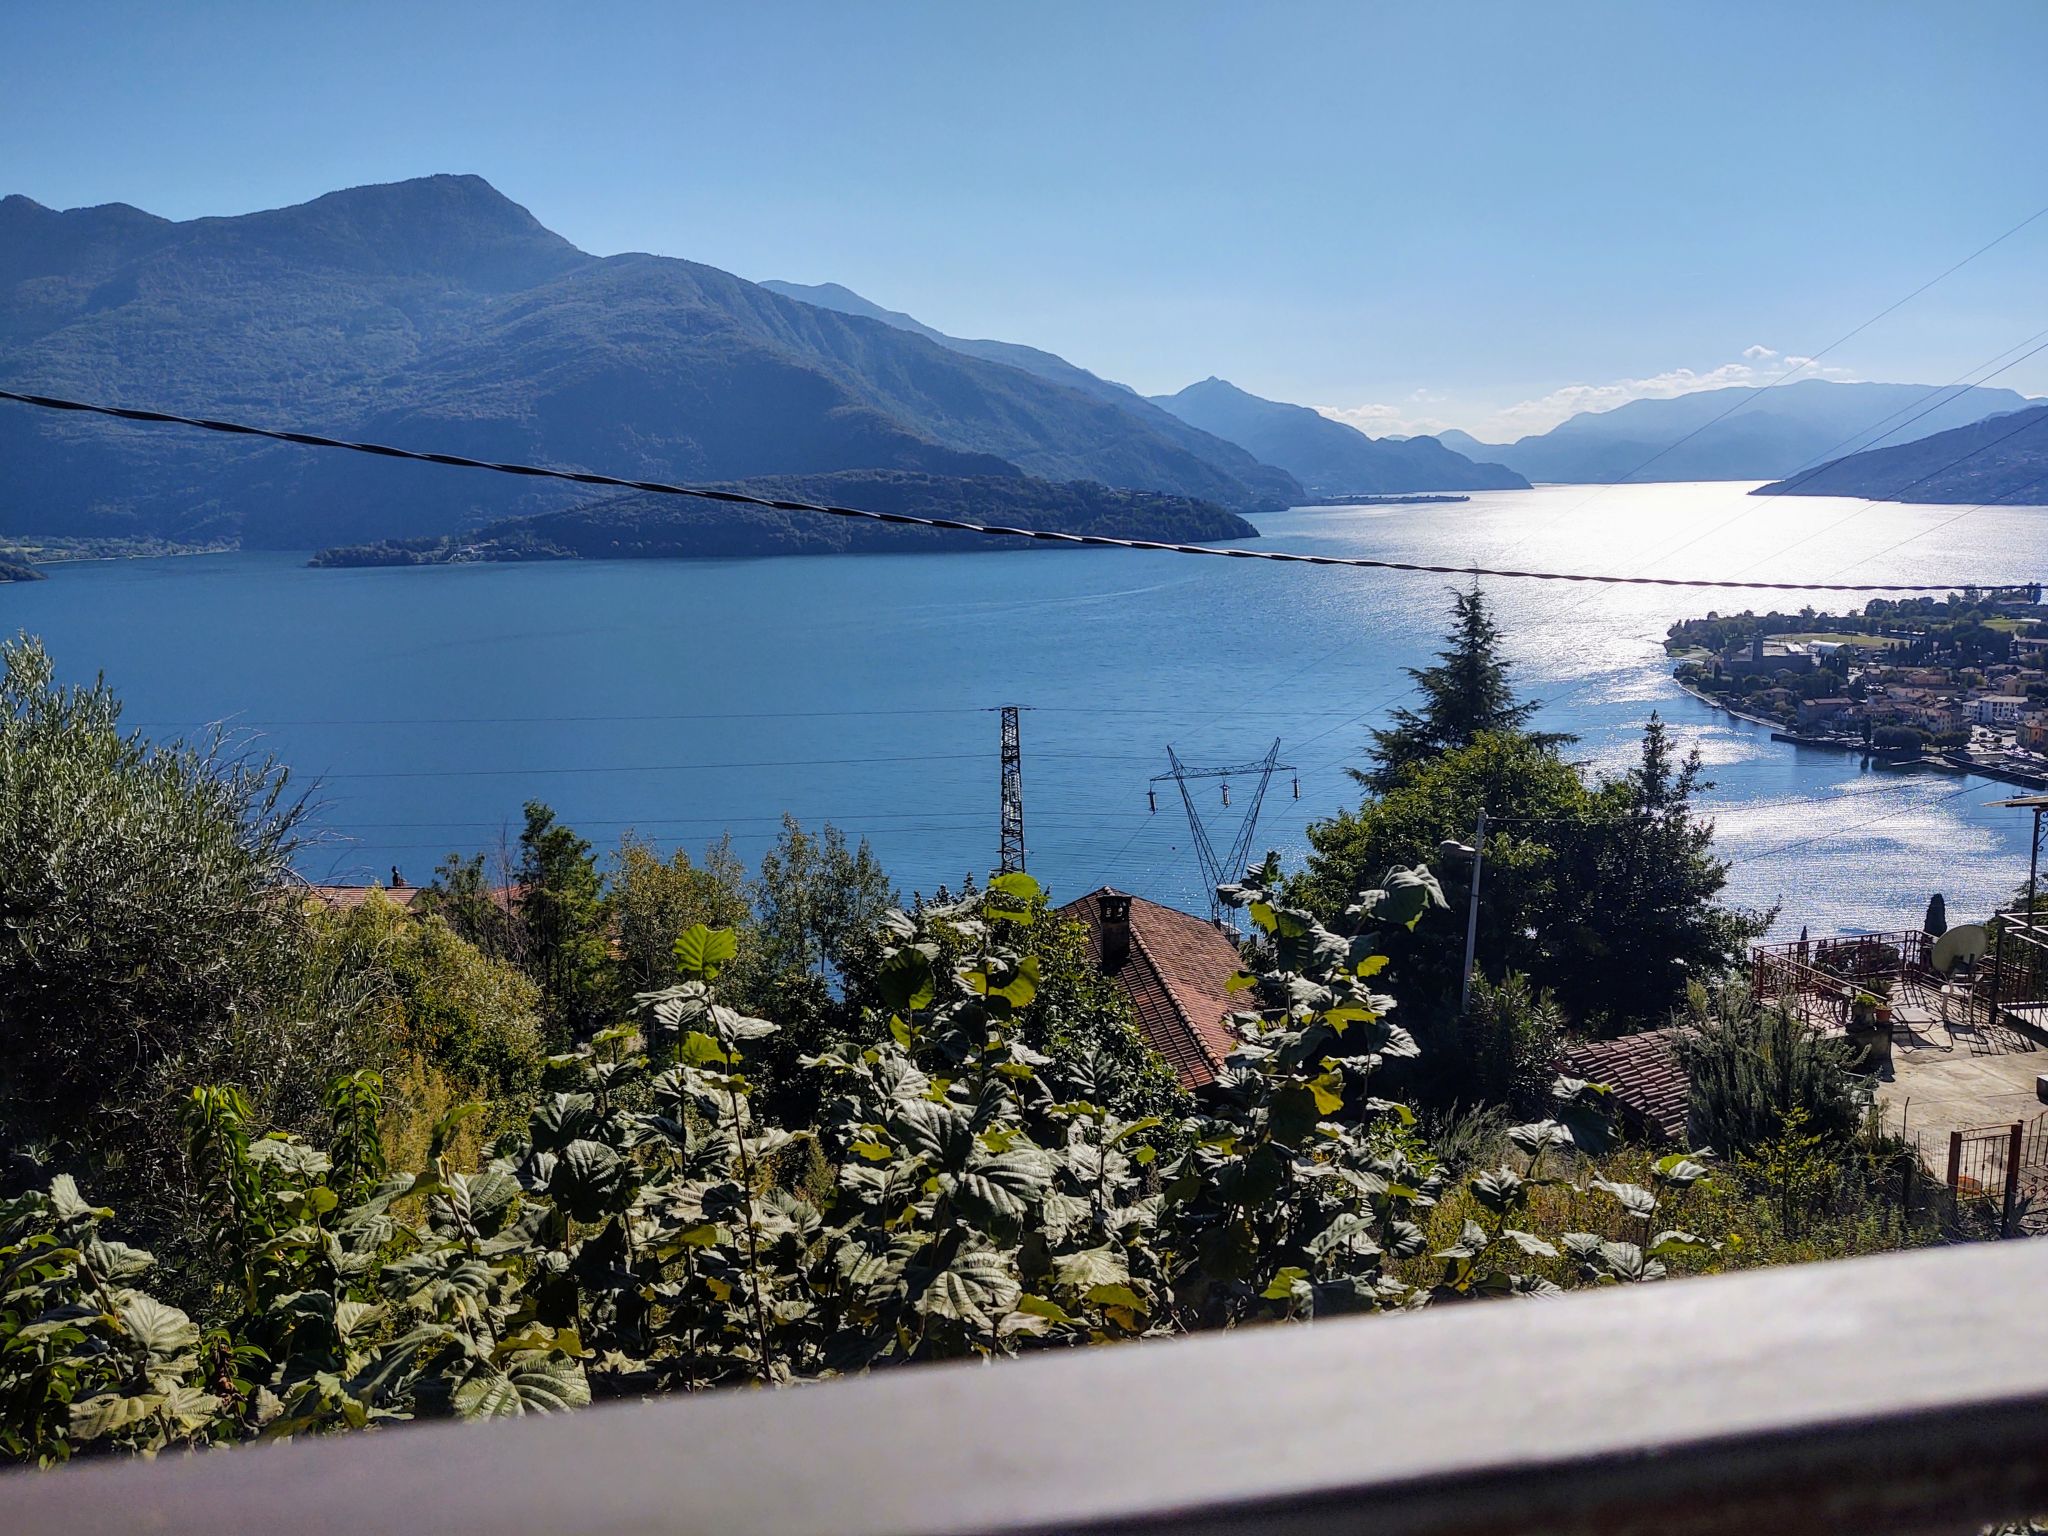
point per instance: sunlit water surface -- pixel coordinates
(684, 699)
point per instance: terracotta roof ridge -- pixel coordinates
(1172, 992)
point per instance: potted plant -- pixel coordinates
(1870, 1028)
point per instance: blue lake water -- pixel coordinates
(685, 699)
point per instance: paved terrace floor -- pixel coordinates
(1951, 1070)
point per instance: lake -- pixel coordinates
(684, 699)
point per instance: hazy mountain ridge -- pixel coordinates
(647, 526)
(2000, 459)
(1054, 369)
(1327, 456)
(438, 313)
(1771, 433)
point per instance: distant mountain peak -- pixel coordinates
(437, 310)
(1744, 433)
(1330, 457)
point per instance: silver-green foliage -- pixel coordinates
(141, 934)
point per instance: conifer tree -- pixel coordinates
(559, 901)
(1935, 923)
(1466, 694)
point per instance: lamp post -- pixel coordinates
(1476, 854)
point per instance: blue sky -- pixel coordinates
(1481, 215)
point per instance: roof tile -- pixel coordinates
(1175, 976)
(1644, 1072)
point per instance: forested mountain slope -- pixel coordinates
(437, 313)
(2002, 459)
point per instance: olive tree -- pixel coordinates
(148, 935)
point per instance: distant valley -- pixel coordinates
(1326, 456)
(1764, 435)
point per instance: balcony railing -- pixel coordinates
(1907, 1394)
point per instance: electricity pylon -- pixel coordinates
(1013, 793)
(1240, 848)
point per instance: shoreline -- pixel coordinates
(1935, 762)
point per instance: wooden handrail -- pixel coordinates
(1906, 1393)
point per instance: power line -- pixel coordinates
(773, 714)
(1895, 495)
(1757, 501)
(794, 762)
(1961, 385)
(1802, 365)
(1044, 535)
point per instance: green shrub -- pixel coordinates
(1508, 1043)
(144, 943)
(1757, 1075)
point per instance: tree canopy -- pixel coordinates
(1603, 892)
(1466, 695)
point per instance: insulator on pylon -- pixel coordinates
(1297, 786)
(1226, 791)
(1152, 800)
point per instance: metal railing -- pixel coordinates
(1820, 981)
(2016, 969)
(1901, 1394)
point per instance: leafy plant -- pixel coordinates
(962, 1194)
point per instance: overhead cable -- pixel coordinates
(1044, 535)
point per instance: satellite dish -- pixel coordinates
(1965, 943)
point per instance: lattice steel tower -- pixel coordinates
(1231, 867)
(1013, 793)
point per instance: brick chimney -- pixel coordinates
(1114, 909)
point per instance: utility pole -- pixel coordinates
(1013, 793)
(1472, 912)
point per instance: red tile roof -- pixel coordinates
(1174, 975)
(346, 898)
(1643, 1070)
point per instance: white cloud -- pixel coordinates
(1759, 365)
(1390, 420)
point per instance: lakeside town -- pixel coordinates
(1960, 683)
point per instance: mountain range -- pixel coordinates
(439, 313)
(1767, 434)
(1326, 456)
(2000, 459)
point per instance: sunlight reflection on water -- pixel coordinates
(686, 697)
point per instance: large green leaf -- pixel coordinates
(1092, 1267)
(905, 980)
(1001, 1189)
(701, 952)
(162, 1330)
(977, 1289)
(1634, 1199)
(109, 1414)
(589, 1179)
(1011, 895)
(536, 1384)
